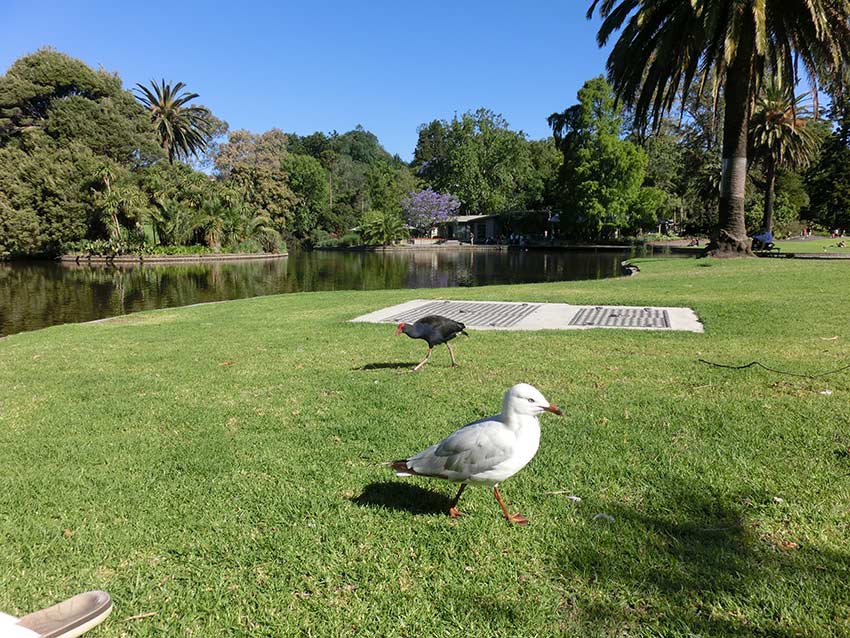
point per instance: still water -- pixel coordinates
(37, 294)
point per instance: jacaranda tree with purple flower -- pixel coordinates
(426, 208)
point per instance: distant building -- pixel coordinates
(471, 228)
(497, 227)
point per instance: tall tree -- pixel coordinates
(664, 45)
(309, 183)
(182, 130)
(479, 159)
(244, 149)
(779, 137)
(602, 174)
(828, 180)
(51, 93)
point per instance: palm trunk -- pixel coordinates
(769, 197)
(730, 239)
(115, 231)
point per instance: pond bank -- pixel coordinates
(490, 247)
(168, 259)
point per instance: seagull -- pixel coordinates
(487, 451)
(434, 329)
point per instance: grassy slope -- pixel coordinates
(220, 466)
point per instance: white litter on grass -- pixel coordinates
(572, 497)
(826, 392)
(778, 499)
(603, 517)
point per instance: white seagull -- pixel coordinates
(487, 451)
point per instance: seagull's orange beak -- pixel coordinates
(399, 329)
(554, 409)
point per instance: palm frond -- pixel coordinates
(183, 130)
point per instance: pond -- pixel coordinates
(37, 294)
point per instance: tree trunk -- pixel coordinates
(730, 239)
(769, 197)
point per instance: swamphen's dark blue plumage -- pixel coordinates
(435, 330)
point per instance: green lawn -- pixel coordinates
(220, 466)
(818, 245)
(824, 245)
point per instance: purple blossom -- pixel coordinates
(426, 208)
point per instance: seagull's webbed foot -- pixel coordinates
(453, 510)
(518, 518)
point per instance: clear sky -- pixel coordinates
(325, 65)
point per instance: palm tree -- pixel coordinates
(116, 200)
(382, 228)
(667, 45)
(182, 130)
(779, 137)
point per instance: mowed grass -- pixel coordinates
(824, 245)
(218, 468)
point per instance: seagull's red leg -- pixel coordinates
(453, 511)
(512, 518)
(424, 361)
(451, 354)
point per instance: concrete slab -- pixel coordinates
(540, 316)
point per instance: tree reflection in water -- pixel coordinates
(36, 294)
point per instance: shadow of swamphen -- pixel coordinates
(384, 366)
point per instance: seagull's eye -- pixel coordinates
(530, 400)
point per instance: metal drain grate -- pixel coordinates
(471, 313)
(621, 318)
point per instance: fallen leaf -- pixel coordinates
(226, 363)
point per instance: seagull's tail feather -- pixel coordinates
(401, 469)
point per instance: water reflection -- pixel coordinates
(38, 294)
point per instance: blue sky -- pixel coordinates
(331, 65)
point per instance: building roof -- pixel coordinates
(465, 219)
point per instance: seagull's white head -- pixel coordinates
(526, 400)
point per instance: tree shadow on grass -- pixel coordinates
(385, 366)
(403, 496)
(700, 563)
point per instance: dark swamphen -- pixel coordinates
(435, 330)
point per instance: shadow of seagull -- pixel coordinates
(404, 497)
(385, 366)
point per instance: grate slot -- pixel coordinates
(601, 317)
(471, 313)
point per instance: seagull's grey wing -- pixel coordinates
(473, 449)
